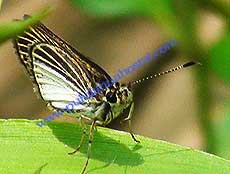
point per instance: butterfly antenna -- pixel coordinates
(188, 64)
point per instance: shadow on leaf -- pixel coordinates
(104, 148)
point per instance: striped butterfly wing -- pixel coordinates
(58, 71)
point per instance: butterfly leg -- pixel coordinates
(129, 122)
(91, 131)
(82, 137)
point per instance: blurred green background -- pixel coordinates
(190, 107)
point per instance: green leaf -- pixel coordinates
(220, 58)
(11, 29)
(28, 148)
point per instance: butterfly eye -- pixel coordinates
(111, 97)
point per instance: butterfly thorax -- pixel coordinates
(105, 106)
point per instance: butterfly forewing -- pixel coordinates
(59, 72)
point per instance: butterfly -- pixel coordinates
(60, 74)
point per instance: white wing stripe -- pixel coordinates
(24, 38)
(52, 76)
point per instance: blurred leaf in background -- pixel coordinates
(0, 4)
(163, 12)
(123, 8)
(222, 129)
(110, 9)
(220, 58)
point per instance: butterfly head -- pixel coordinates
(119, 97)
